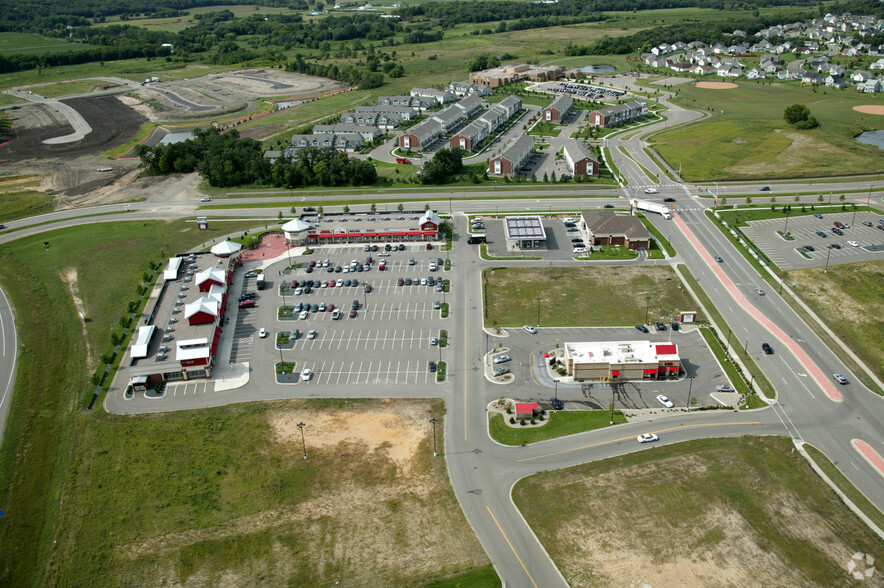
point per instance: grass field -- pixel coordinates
(72, 87)
(745, 511)
(845, 485)
(745, 136)
(103, 262)
(22, 197)
(559, 424)
(850, 299)
(580, 296)
(28, 44)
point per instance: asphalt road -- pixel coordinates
(809, 407)
(8, 355)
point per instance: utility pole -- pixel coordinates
(434, 420)
(303, 443)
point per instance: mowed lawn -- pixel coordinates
(744, 511)
(746, 136)
(29, 43)
(850, 299)
(582, 296)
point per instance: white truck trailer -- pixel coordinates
(660, 209)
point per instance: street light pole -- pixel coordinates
(647, 308)
(729, 333)
(303, 443)
(690, 386)
(825, 271)
(853, 222)
(557, 389)
(746, 347)
(434, 420)
(538, 310)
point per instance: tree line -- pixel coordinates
(226, 160)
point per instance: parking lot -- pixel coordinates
(805, 228)
(390, 340)
(526, 351)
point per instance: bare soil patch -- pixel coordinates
(69, 277)
(735, 512)
(870, 108)
(716, 85)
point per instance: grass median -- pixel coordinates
(558, 424)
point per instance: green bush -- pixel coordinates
(512, 420)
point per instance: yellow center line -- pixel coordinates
(511, 547)
(631, 437)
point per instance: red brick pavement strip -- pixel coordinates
(272, 246)
(869, 454)
(815, 372)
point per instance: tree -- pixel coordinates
(798, 115)
(373, 207)
(842, 197)
(346, 209)
(748, 200)
(400, 208)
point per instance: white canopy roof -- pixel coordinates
(213, 273)
(226, 248)
(142, 341)
(171, 272)
(192, 349)
(296, 226)
(205, 304)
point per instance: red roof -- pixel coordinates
(522, 407)
(667, 349)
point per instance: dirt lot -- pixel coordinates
(735, 512)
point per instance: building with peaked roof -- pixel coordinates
(618, 113)
(421, 135)
(623, 360)
(226, 249)
(512, 158)
(558, 109)
(296, 231)
(440, 96)
(605, 227)
(580, 159)
(469, 137)
(508, 74)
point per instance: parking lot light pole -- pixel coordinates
(825, 271)
(853, 222)
(538, 310)
(434, 420)
(690, 386)
(303, 443)
(746, 347)
(647, 308)
(557, 389)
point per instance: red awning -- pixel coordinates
(418, 233)
(354, 234)
(650, 371)
(325, 236)
(212, 349)
(401, 234)
(615, 372)
(429, 233)
(369, 234)
(545, 355)
(673, 368)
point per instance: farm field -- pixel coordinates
(31, 44)
(723, 512)
(746, 138)
(581, 295)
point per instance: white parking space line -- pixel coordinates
(398, 365)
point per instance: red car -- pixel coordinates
(429, 246)
(247, 304)
(840, 225)
(367, 288)
(352, 313)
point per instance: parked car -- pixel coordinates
(303, 316)
(840, 379)
(336, 314)
(367, 288)
(530, 329)
(835, 246)
(809, 248)
(262, 333)
(307, 374)
(821, 234)
(660, 326)
(502, 359)
(296, 334)
(853, 243)
(767, 348)
(434, 341)
(411, 261)
(817, 215)
(665, 401)
(557, 404)
(400, 282)
(501, 371)
(352, 313)
(642, 328)
(437, 305)
(647, 438)
(724, 388)
(431, 366)
(311, 334)
(840, 225)
(837, 231)
(247, 304)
